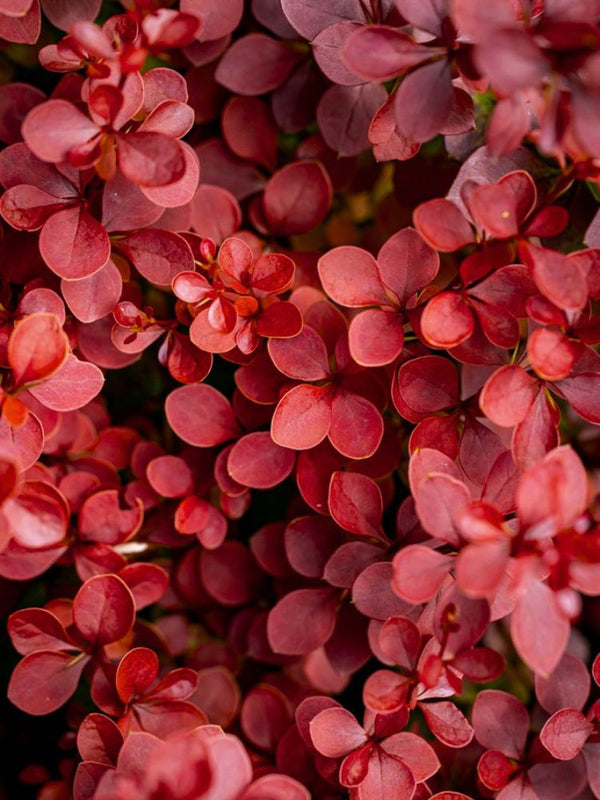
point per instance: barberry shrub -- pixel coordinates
(299, 399)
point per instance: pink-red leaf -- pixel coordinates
(302, 418)
(256, 461)
(335, 732)
(74, 244)
(200, 415)
(565, 733)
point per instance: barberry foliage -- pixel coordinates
(299, 399)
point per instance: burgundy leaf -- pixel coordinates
(297, 198)
(255, 64)
(103, 609)
(302, 620)
(344, 115)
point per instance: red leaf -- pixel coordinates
(63, 15)
(272, 273)
(419, 573)
(495, 770)
(372, 592)
(376, 337)
(508, 395)
(309, 542)
(387, 778)
(256, 461)
(335, 732)
(356, 426)
(43, 681)
(407, 264)
(400, 641)
(447, 723)
(52, 129)
(554, 491)
(200, 415)
(438, 501)
(146, 582)
(424, 101)
(327, 51)
(150, 159)
(276, 787)
(34, 629)
(37, 348)
(93, 297)
(560, 279)
(99, 740)
(425, 385)
(539, 630)
(378, 53)
(265, 716)
(230, 574)
(385, 692)
(567, 686)
(176, 194)
(249, 130)
(27, 207)
(413, 751)
(101, 519)
(344, 116)
(280, 321)
(447, 320)
(310, 18)
(388, 143)
(355, 503)
(73, 386)
(350, 276)
(582, 392)
(297, 198)
(103, 610)
(73, 244)
(565, 733)
(157, 255)
(170, 476)
(536, 435)
(24, 29)
(218, 19)
(501, 722)
(38, 516)
(441, 223)
(137, 671)
(303, 417)
(216, 213)
(512, 60)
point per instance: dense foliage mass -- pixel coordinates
(299, 465)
